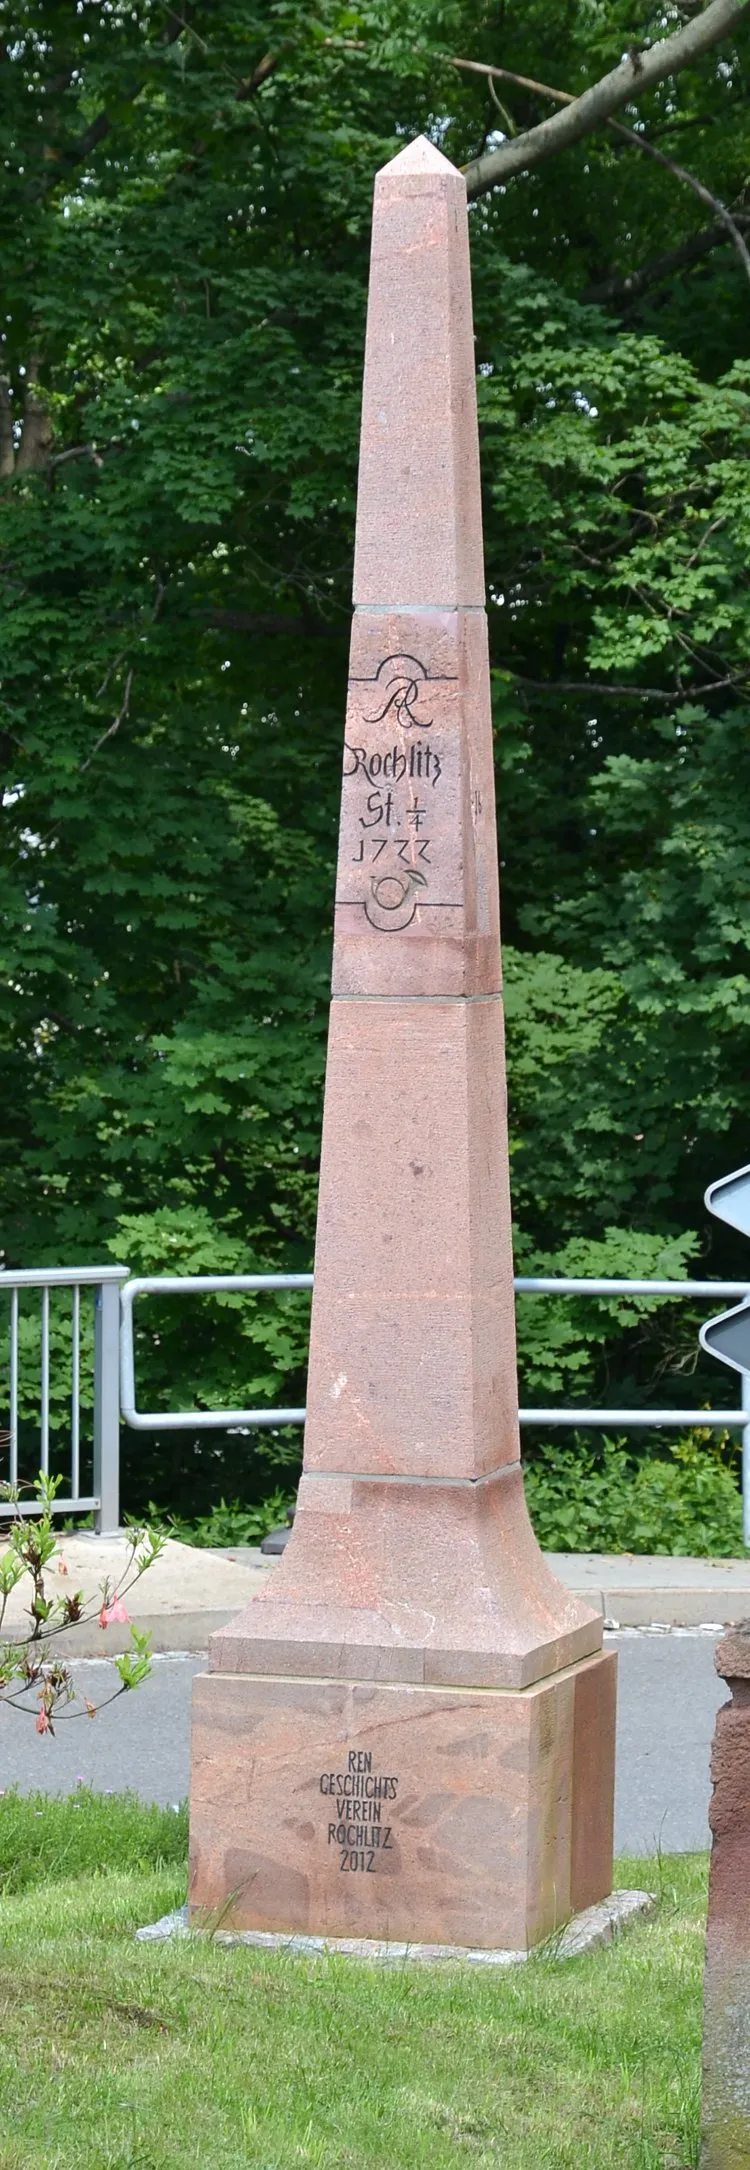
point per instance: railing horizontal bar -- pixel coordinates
(632, 1417)
(207, 1420)
(234, 1419)
(213, 1283)
(557, 1286)
(58, 1276)
(177, 1284)
(34, 1506)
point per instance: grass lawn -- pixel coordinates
(118, 2056)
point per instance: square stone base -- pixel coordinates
(423, 1815)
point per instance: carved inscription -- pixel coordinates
(358, 1824)
(390, 805)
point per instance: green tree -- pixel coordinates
(187, 202)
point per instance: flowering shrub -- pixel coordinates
(33, 1678)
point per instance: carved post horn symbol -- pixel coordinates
(392, 902)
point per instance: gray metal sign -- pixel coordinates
(728, 1337)
(729, 1199)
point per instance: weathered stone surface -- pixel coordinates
(407, 1581)
(425, 1814)
(416, 890)
(412, 1617)
(419, 518)
(413, 1356)
(726, 2038)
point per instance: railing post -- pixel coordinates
(107, 1407)
(746, 1462)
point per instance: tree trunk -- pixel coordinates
(36, 432)
(7, 449)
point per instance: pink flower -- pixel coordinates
(115, 1611)
(42, 1723)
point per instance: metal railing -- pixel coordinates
(208, 1284)
(104, 1282)
(573, 1416)
(115, 1298)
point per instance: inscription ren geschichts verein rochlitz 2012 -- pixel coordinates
(360, 1796)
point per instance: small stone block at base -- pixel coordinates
(598, 1925)
(430, 1816)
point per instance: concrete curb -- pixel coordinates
(655, 1591)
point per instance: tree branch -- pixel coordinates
(76, 452)
(630, 693)
(628, 286)
(100, 127)
(642, 143)
(113, 727)
(680, 173)
(637, 73)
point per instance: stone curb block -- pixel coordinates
(597, 1925)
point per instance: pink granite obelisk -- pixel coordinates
(409, 1735)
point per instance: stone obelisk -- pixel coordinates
(409, 1735)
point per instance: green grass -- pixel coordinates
(44, 1839)
(189, 2056)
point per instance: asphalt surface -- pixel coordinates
(668, 1698)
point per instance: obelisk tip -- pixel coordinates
(419, 157)
(419, 522)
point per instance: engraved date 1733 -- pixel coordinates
(389, 800)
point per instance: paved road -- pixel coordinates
(669, 1694)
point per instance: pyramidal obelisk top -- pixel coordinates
(419, 530)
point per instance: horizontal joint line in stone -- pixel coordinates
(496, 995)
(354, 904)
(412, 610)
(374, 1476)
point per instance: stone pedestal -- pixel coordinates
(412, 1638)
(726, 2035)
(430, 1815)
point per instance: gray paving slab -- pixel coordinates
(668, 1697)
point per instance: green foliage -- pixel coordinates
(685, 1502)
(234, 1524)
(34, 1679)
(45, 1839)
(186, 202)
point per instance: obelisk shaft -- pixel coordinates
(413, 1366)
